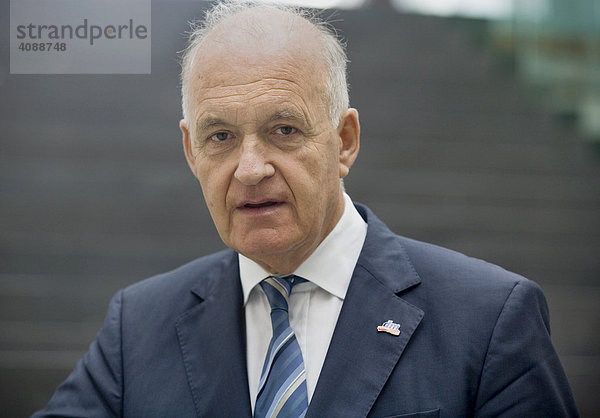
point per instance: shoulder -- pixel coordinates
(439, 263)
(174, 288)
(448, 269)
(459, 290)
(444, 281)
(435, 266)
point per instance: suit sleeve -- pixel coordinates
(522, 375)
(95, 387)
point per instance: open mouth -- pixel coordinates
(260, 205)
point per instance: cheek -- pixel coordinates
(215, 200)
(213, 183)
(326, 169)
(320, 181)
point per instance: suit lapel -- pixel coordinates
(212, 342)
(360, 359)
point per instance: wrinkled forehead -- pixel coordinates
(259, 43)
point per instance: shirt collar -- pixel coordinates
(330, 266)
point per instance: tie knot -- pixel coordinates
(278, 290)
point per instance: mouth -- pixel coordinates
(259, 206)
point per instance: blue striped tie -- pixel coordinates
(282, 388)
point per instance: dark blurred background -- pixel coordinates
(478, 134)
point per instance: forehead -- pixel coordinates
(261, 102)
(254, 69)
(254, 55)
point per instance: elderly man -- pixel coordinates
(317, 309)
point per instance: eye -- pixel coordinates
(285, 130)
(220, 136)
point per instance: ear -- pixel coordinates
(187, 146)
(349, 133)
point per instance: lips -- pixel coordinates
(259, 205)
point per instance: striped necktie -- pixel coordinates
(282, 388)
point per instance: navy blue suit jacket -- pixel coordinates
(474, 341)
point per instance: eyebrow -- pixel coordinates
(210, 122)
(286, 114)
(290, 114)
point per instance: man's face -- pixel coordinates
(265, 152)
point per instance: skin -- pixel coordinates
(261, 142)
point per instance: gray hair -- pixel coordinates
(334, 55)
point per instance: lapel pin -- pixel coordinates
(390, 327)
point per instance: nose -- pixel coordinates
(253, 165)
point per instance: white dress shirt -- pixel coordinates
(314, 305)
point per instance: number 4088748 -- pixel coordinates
(42, 46)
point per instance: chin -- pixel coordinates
(266, 243)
